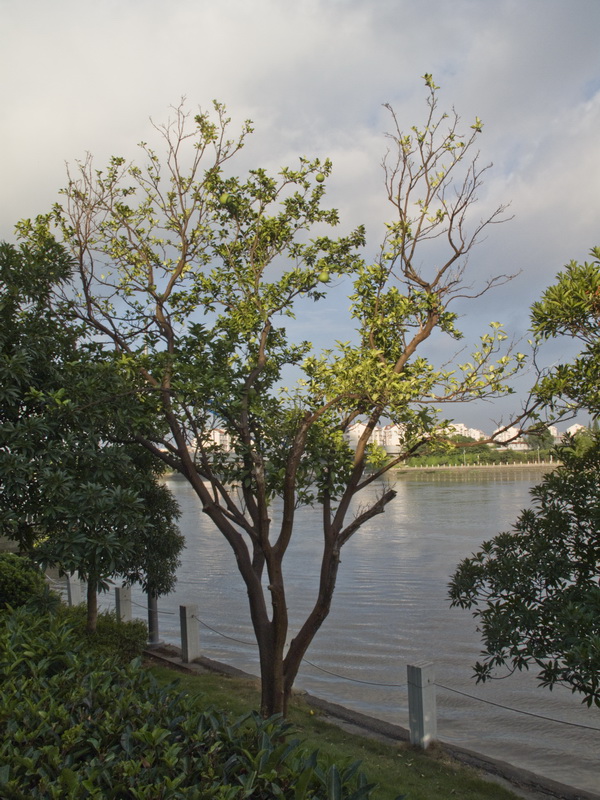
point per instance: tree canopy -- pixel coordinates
(535, 589)
(571, 308)
(72, 493)
(187, 273)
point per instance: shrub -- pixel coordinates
(73, 726)
(123, 641)
(20, 580)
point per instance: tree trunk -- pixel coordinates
(272, 695)
(92, 604)
(271, 636)
(279, 671)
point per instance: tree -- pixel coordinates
(571, 308)
(535, 589)
(539, 437)
(114, 519)
(69, 495)
(184, 270)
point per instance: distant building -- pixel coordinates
(553, 430)
(214, 437)
(221, 438)
(388, 436)
(353, 433)
(391, 436)
(511, 439)
(574, 429)
(459, 429)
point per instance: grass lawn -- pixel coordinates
(399, 769)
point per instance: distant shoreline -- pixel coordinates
(540, 466)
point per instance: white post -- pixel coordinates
(190, 634)
(123, 603)
(74, 597)
(421, 704)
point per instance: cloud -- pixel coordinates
(84, 76)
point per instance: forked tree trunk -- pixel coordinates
(279, 669)
(272, 696)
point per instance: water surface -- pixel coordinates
(391, 608)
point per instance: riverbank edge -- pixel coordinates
(541, 466)
(527, 784)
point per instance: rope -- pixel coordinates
(518, 710)
(224, 635)
(158, 611)
(305, 660)
(386, 685)
(403, 685)
(355, 680)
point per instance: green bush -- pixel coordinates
(20, 581)
(123, 641)
(73, 727)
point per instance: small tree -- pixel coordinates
(184, 270)
(113, 520)
(539, 437)
(535, 589)
(68, 495)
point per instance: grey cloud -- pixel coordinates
(313, 75)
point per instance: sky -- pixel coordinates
(313, 75)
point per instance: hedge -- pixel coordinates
(74, 725)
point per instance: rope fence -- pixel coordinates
(404, 685)
(190, 650)
(519, 710)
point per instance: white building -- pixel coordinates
(574, 429)
(459, 429)
(393, 437)
(553, 431)
(388, 436)
(353, 434)
(512, 438)
(221, 438)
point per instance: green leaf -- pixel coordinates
(333, 783)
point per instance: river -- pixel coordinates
(390, 608)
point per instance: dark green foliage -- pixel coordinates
(571, 308)
(20, 580)
(74, 487)
(73, 726)
(535, 589)
(122, 641)
(460, 451)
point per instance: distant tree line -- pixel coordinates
(464, 451)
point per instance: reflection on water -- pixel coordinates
(391, 608)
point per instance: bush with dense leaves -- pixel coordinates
(20, 581)
(74, 727)
(121, 640)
